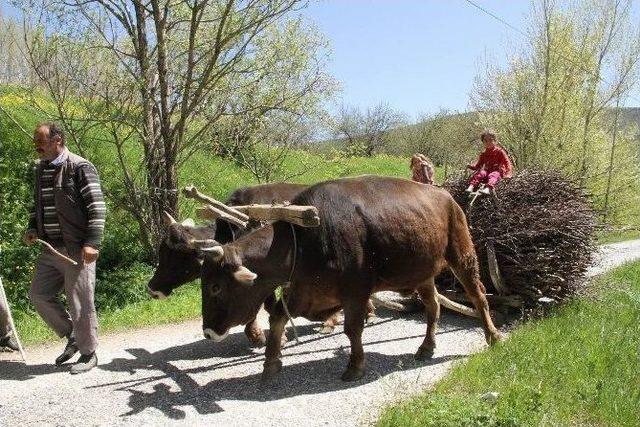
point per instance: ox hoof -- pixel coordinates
(326, 329)
(255, 334)
(494, 338)
(271, 371)
(424, 353)
(352, 374)
(258, 341)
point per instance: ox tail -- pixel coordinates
(461, 252)
(463, 261)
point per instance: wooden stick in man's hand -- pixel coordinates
(52, 249)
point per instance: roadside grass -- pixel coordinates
(580, 366)
(617, 236)
(184, 304)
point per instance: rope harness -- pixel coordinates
(287, 284)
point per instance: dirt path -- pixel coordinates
(170, 375)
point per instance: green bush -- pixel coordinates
(121, 253)
(119, 287)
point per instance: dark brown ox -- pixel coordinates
(179, 264)
(375, 234)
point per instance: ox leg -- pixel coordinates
(429, 297)
(468, 274)
(354, 316)
(254, 332)
(272, 363)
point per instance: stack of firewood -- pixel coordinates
(534, 237)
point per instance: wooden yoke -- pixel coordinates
(212, 213)
(192, 192)
(304, 216)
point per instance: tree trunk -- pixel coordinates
(611, 160)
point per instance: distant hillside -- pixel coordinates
(629, 117)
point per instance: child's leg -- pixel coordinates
(477, 178)
(493, 179)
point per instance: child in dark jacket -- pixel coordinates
(493, 165)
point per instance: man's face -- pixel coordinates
(47, 148)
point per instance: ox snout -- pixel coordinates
(211, 335)
(155, 294)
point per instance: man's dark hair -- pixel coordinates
(54, 130)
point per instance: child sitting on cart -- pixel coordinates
(421, 169)
(493, 165)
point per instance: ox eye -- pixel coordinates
(214, 290)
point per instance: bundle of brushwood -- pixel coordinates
(534, 238)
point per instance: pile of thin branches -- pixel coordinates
(541, 227)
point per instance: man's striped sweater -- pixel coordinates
(69, 205)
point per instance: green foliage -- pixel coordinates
(615, 236)
(578, 367)
(122, 270)
(120, 287)
(553, 107)
(16, 197)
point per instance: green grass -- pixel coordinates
(617, 236)
(184, 304)
(581, 366)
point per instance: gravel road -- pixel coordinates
(169, 375)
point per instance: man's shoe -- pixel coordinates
(85, 363)
(9, 342)
(68, 352)
(469, 189)
(485, 191)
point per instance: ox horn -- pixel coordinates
(189, 222)
(200, 243)
(216, 252)
(168, 219)
(245, 276)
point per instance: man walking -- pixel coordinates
(69, 214)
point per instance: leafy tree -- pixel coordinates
(447, 138)
(14, 68)
(153, 79)
(552, 106)
(367, 133)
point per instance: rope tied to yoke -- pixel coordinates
(287, 284)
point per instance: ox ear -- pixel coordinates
(215, 252)
(189, 222)
(245, 276)
(168, 219)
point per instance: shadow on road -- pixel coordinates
(18, 371)
(177, 387)
(311, 377)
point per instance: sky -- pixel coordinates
(416, 55)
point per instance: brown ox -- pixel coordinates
(375, 234)
(179, 264)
